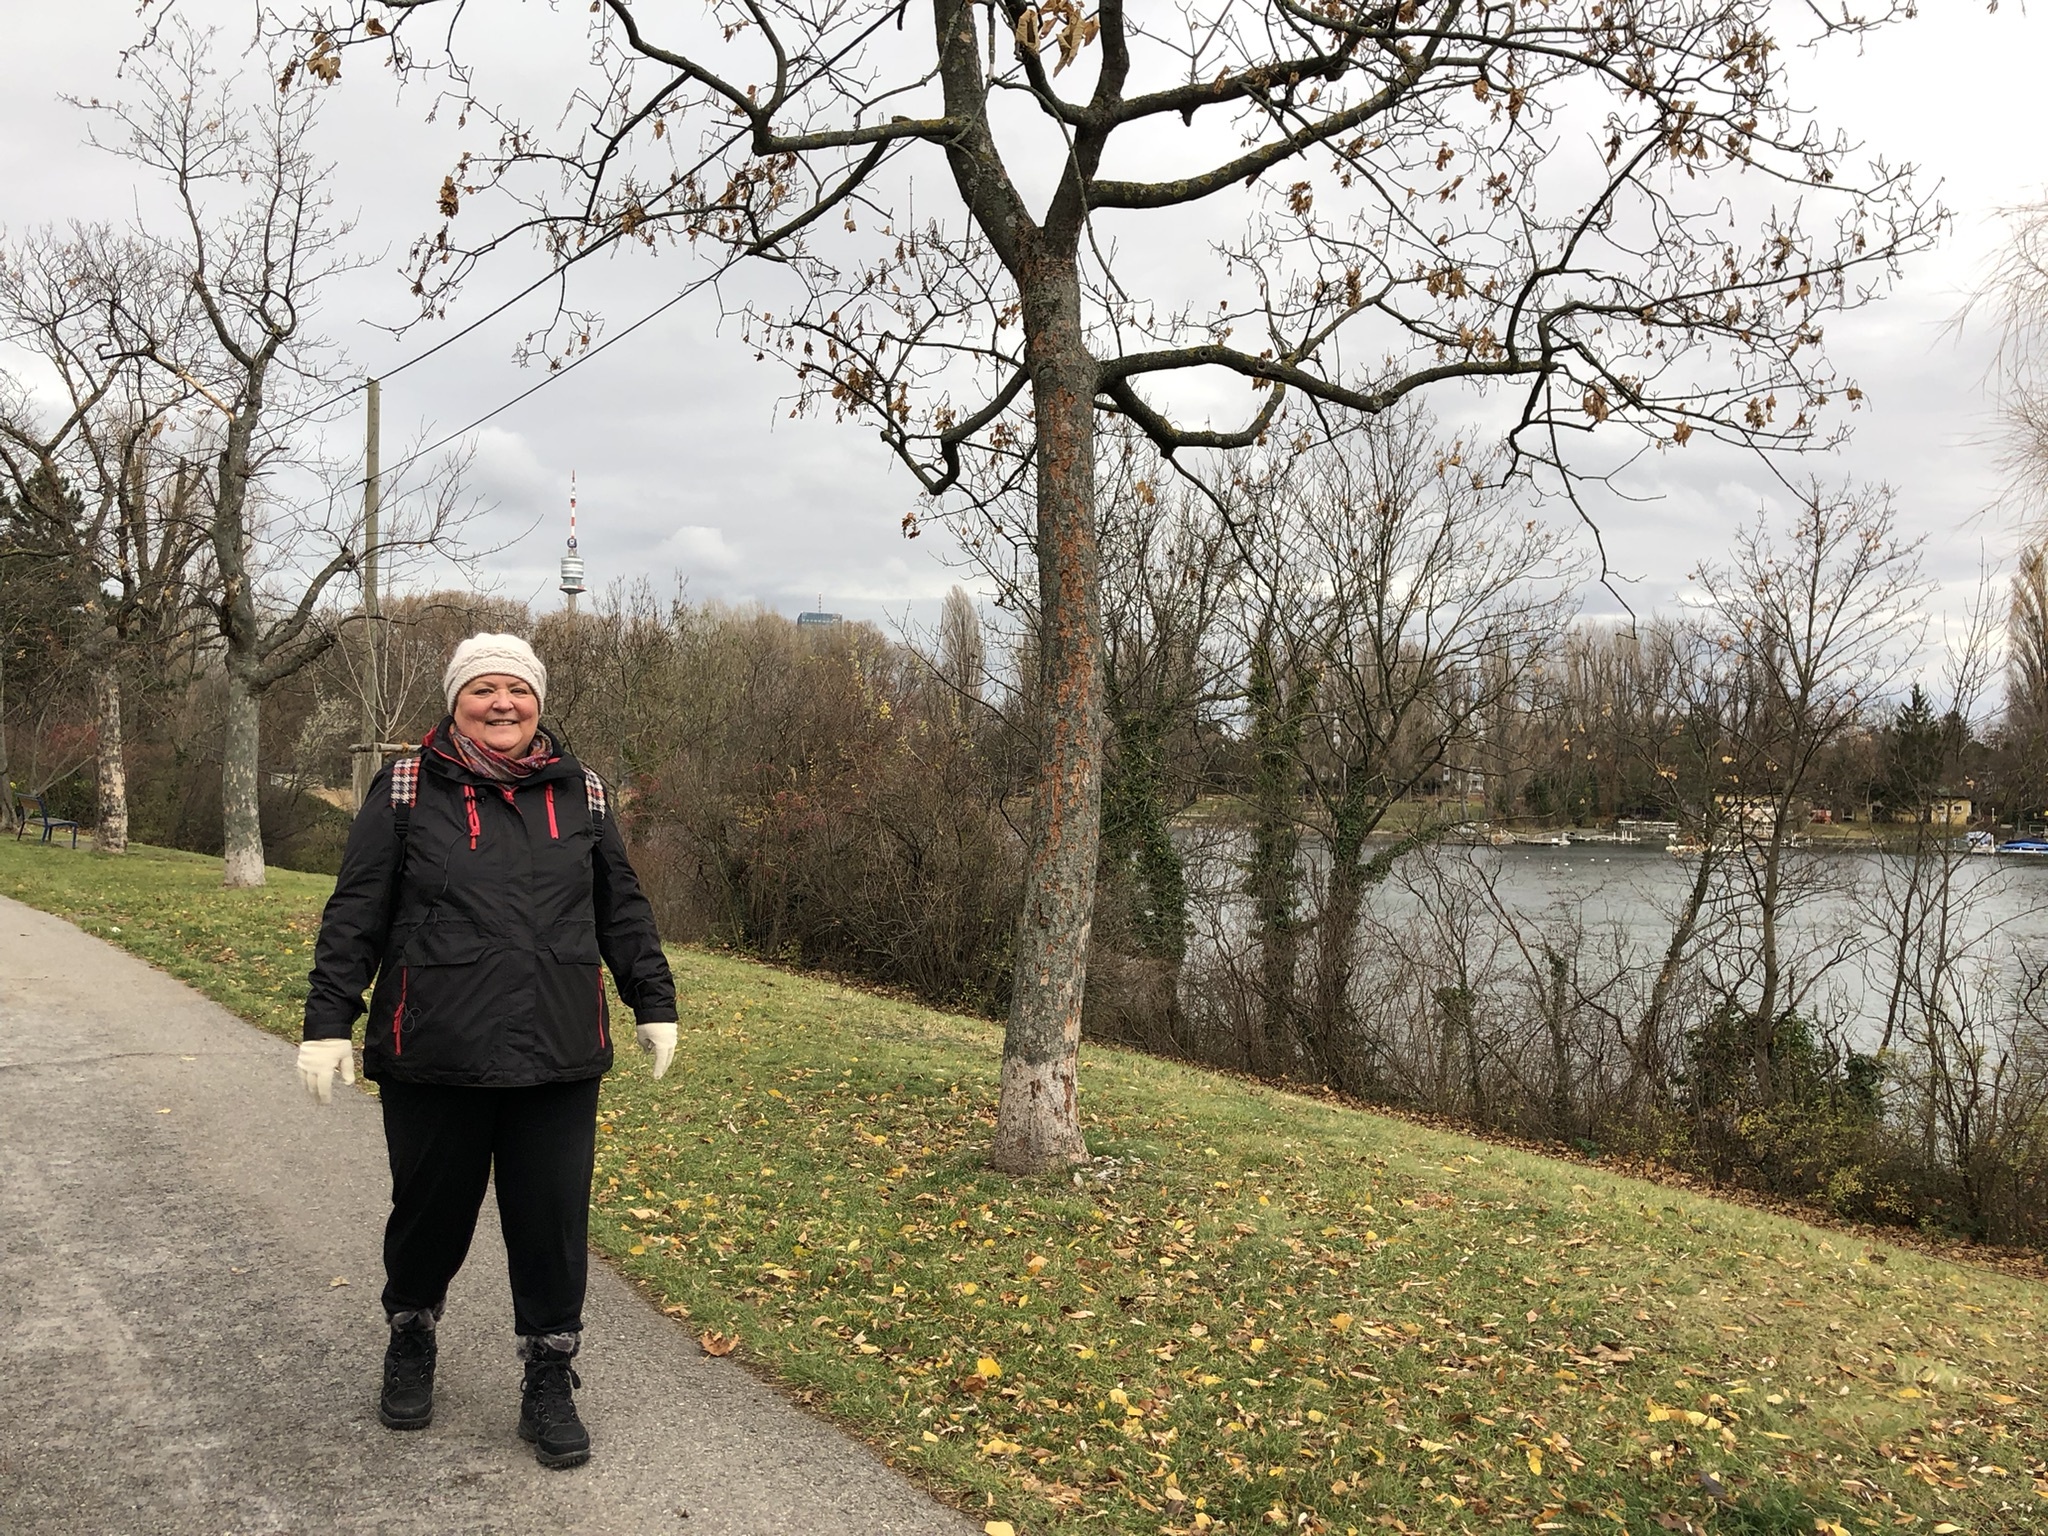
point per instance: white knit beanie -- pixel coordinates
(483, 655)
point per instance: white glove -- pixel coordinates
(319, 1060)
(659, 1039)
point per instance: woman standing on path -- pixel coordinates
(484, 878)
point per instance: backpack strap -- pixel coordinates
(405, 793)
(594, 792)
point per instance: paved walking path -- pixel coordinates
(177, 1357)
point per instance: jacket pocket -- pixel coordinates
(435, 994)
(577, 999)
(444, 943)
(573, 941)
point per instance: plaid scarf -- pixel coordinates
(486, 763)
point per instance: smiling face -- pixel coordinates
(498, 711)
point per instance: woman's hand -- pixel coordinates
(319, 1060)
(660, 1039)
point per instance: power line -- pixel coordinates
(445, 342)
(448, 341)
(552, 377)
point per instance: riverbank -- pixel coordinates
(1404, 817)
(1252, 1308)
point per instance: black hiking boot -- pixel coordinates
(407, 1401)
(547, 1410)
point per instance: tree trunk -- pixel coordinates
(1273, 877)
(1137, 836)
(1337, 924)
(1460, 1027)
(1646, 1051)
(1038, 1122)
(241, 821)
(111, 834)
(1764, 1026)
(1556, 1007)
(7, 821)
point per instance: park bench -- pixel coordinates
(33, 809)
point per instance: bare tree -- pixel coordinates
(255, 240)
(2015, 294)
(1430, 190)
(1430, 596)
(1169, 565)
(72, 300)
(1817, 623)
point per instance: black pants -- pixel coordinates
(445, 1143)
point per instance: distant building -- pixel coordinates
(820, 618)
(1758, 813)
(1949, 810)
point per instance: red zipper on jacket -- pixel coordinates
(552, 832)
(469, 803)
(602, 1043)
(398, 1015)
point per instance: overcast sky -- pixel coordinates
(687, 467)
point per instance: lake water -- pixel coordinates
(1842, 928)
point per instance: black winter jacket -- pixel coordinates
(485, 946)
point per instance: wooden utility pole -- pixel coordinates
(367, 753)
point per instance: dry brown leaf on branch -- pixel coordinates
(323, 63)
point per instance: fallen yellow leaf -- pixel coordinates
(1341, 1321)
(1535, 1462)
(987, 1369)
(999, 1528)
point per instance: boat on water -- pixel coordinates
(2025, 845)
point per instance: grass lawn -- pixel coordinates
(1254, 1309)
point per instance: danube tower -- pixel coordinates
(572, 563)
